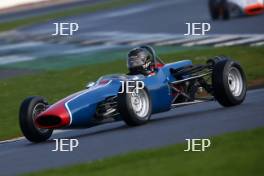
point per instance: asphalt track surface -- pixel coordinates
(44, 10)
(155, 16)
(194, 121)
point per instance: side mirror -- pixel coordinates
(90, 84)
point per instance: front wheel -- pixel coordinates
(29, 109)
(229, 82)
(135, 106)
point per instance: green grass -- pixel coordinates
(65, 13)
(58, 84)
(234, 154)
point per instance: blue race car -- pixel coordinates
(150, 87)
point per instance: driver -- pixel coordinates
(140, 62)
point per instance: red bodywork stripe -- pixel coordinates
(58, 110)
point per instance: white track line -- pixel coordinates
(214, 40)
(153, 39)
(242, 41)
(20, 45)
(180, 40)
(23, 138)
(105, 40)
(129, 39)
(14, 59)
(257, 44)
(12, 140)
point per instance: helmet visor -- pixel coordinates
(136, 61)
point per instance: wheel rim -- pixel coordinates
(40, 107)
(140, 103)
(235, 81)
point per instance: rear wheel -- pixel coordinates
(214, 9)
(226, 10)
(135, 107)
(229, 82)
(30, 108)
(219, 8)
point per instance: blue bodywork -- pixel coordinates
(83, 105)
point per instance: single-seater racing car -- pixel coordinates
(151, 86)
(233, 8)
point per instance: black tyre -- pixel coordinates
(135, 108)
(29, 109)
(226, 10)
(229, 82)
(214, 9)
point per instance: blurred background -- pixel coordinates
(27, 28)
(35, 62)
